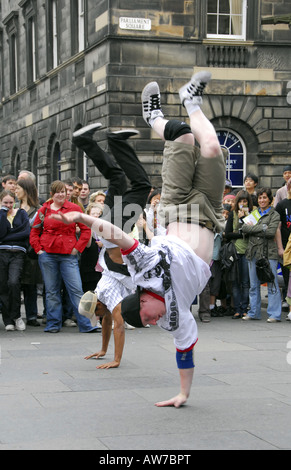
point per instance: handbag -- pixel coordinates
(264, 271)
(263, 268)
(30, 251)
(287, 254)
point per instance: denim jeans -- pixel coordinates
(241, 286)
(55, 268)
(274, 294)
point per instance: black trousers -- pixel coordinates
(11, 266)
(125, 164)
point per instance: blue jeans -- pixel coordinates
(274, 294)
(55, 268)
(241, 286)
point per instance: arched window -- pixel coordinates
(56, 162)
(34, 164)
(15, 162)
(54, 158)
(236, 161)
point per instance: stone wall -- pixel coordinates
(104, 83)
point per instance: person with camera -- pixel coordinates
(262, 245)
(243, 205)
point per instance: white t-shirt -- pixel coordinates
(171, 269)
(113, 287)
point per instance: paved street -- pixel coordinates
(51, 398)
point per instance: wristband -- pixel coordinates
(185, 359)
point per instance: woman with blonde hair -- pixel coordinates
(97, 198)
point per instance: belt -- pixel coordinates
(208, 224)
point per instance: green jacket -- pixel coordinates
(256, 236)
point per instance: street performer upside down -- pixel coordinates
(175, 268)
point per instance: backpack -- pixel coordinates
(228, 261)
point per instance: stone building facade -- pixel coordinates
(68, 63)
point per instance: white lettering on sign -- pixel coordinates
(142, 24)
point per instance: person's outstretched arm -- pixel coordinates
(103, 228)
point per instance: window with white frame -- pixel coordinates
(31, 49)
(78, 30)
(81, 25)
(13, 53)
(1, 67)
(12, 25)
(29, 11)
(226, 19)
(52, 34)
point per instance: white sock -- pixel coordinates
(154, 116)
(191, 107)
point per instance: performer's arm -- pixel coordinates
(186, 378)
(119, 338)
(185, 363)
(103, 228)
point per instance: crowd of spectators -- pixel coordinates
(254, 218)
(257, 224)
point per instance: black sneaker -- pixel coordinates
(87, 131)
(124, 134)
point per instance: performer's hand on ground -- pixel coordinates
(176, 401)
(96, 355)
(109, 365)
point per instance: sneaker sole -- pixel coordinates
(88, 128)
(126, 132)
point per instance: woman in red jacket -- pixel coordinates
(58, 247)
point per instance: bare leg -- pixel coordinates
(205, 134)
(191, 98)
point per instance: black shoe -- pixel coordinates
(123, 134)
(237, 316)
(32, 323)
(221, 311)
(229, 312)
(217, 311)
(87, 131)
